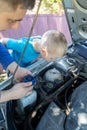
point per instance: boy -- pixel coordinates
(50, 46)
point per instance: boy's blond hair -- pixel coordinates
(54, 41)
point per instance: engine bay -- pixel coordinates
(54, 85)
(55, 82)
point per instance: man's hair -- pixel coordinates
(54, 40)
(25, 4)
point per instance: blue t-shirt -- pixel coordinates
(5, 58)
(18, 46)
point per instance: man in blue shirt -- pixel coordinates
(11, 14)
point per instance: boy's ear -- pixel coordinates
(44, 51)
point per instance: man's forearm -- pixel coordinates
(5, 96)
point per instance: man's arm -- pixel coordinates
(16, 92)
(20, 73)
(5, 58)
(8, 63)
(19, 90)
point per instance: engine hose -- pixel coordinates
(57, 92)
(10, 117)
(52, 96)
(27, 124)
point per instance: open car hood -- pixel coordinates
(76, 14)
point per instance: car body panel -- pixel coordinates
(76, 14)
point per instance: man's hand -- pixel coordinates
(20, 73)
(16, 92)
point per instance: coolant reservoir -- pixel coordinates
(53, 74)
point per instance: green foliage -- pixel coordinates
(52, 6)
(3, 77)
